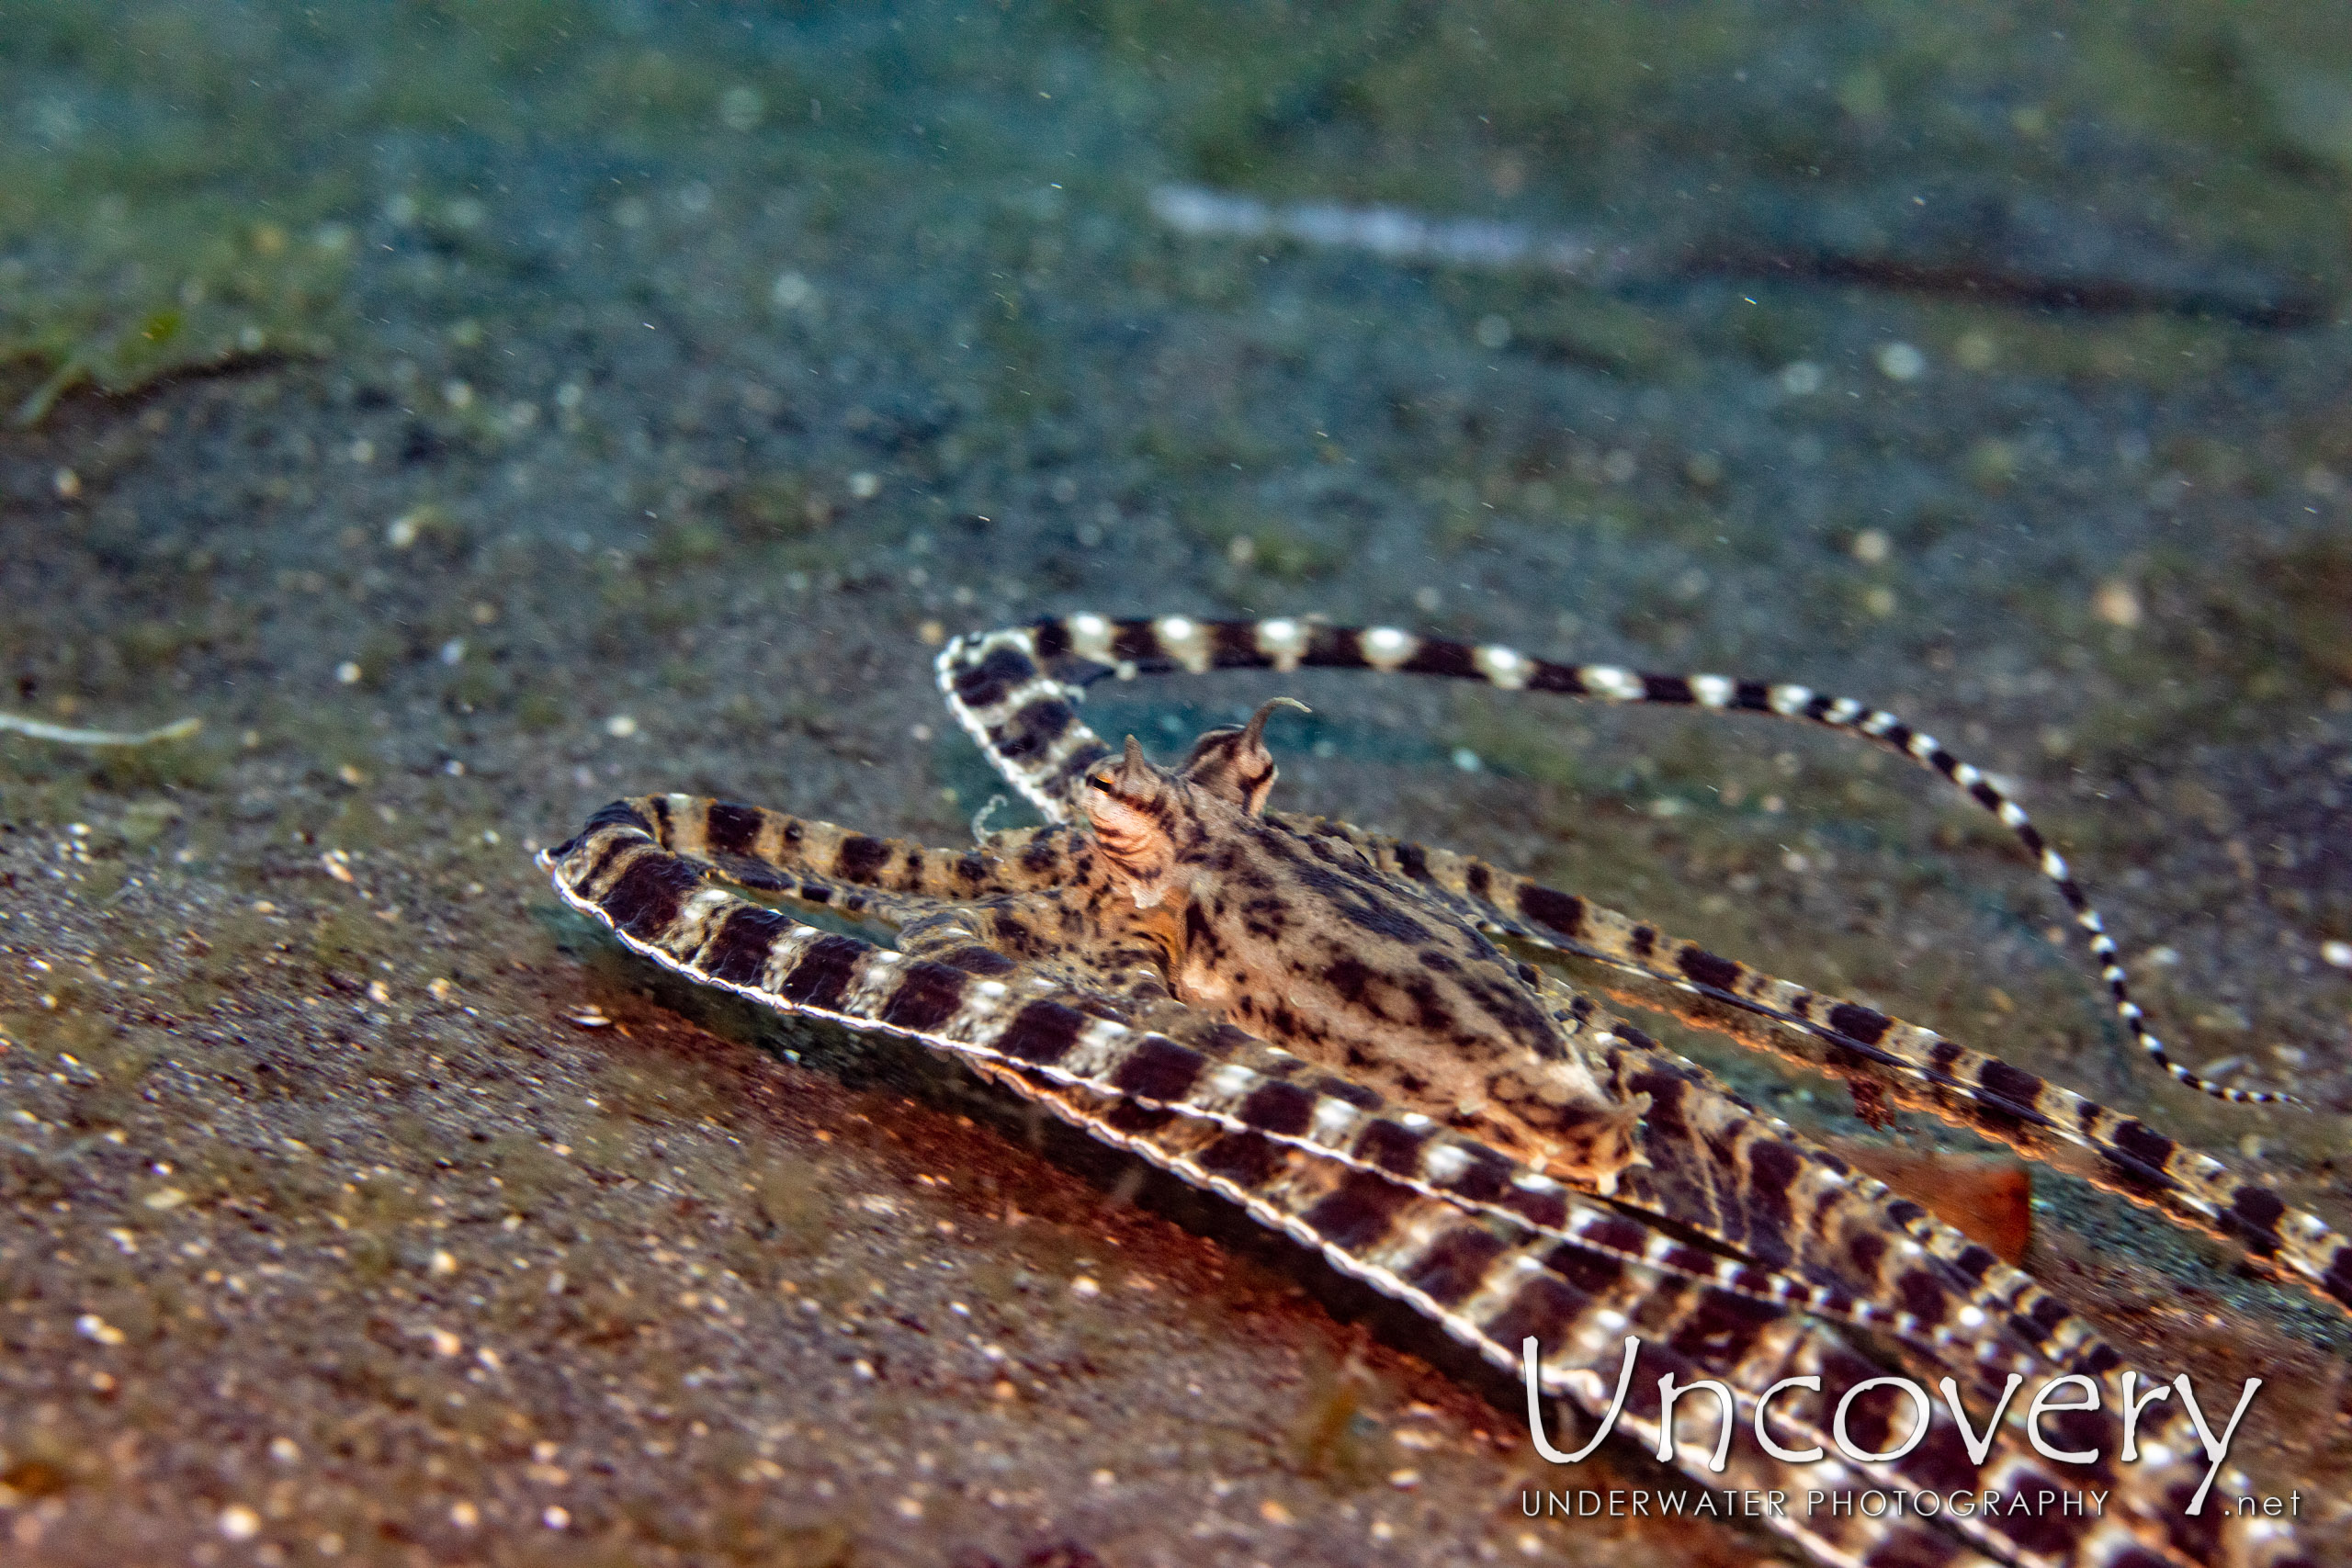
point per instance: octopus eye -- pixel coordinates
(1108, 784)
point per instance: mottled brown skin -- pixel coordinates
(1295, 938)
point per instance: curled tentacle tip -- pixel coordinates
(1253, 733)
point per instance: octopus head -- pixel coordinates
(1135, 809)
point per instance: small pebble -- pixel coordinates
(740, 107)
(1084, 1287)
(2336, 952)
(621, 725)
(1976, 350)
(238, 1522)
(1901, 362)
(2116, 603)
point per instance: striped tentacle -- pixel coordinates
(1492, 1282)
(1791, 1205)
(1031, 678)
(1919, 1067)
(1024, 719)
(1748, 1180)
(665, 907)
(1936, 1277)
(1484, 1284)
(772, 852)
(1752, 1181)
(1932, 1279)
(944, 902)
